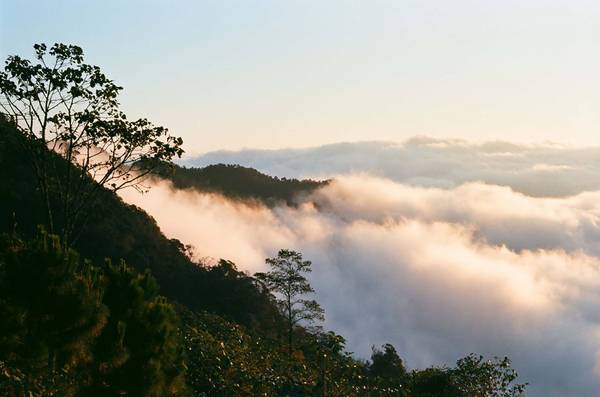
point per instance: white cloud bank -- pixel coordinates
(438, 272)
(540, 170)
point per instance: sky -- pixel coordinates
(290, 74)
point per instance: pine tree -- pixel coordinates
(51, 311)
(286, 279)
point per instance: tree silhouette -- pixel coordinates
(60, 103)
(387, 370)
(286, 279)
(478, 377)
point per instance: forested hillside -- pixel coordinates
(237, 182)
(118, 231)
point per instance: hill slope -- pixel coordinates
(237, 182)
(118, 231)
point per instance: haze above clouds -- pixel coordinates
(441, 248)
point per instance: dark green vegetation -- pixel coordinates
(118, 231)
(237, 182)
(162, 324)
(71, 328)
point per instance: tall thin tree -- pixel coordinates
(287, 281)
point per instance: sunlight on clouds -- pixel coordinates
(217, 227)
(437, 272)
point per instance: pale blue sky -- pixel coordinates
(271, 74)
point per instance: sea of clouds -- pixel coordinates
(441, 248)
(537, 170)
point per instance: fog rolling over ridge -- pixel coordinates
(537, 170)
(439, 247)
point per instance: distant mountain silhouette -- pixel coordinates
(237, 182)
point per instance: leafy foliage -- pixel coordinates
(478, 377)
(387, 371)
(224, 360)
(433, 382)
(473, 376)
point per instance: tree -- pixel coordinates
(139, 352)
(433, 382)
(330, 353)
(387, 370)
(60, 103)
(286, 279)
(51, 313)
(477, 377)
(69, 328)
(473, 376)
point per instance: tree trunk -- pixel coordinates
(290, 342)
(290, 325)
(324, 376)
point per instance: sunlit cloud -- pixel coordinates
(438, 272)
